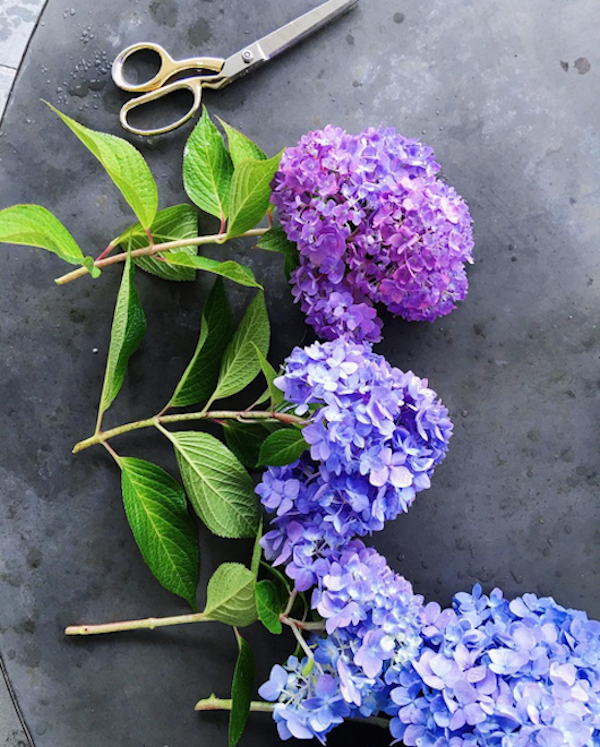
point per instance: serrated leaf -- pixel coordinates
(282, 447)
(268, 606)
(156, 509)
(218, 486)
(207, 168)
(200, 377)
(257, 551)
(240, 365)
(33, 225)
(171, 224)
(128, 330)
(245, 440)
(242, 688)
(230, 595)
(241, 148)
(270, 374)
(240, 274)
(124, 164)
(250, 192)
(275, 240)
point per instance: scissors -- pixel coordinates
(214, 72)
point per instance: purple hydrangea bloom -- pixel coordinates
(373, 224)
(384, 428)
(373, 625)
(524, 673)
(364, 599)
(375, 435)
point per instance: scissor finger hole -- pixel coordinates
(141, 67)
(158, 114)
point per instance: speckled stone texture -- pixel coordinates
(507, 94)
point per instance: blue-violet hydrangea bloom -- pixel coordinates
(376, 435)
(373, 224)
(373, 623)
(524, 673)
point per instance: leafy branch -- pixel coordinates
(150, 251)
(240, 416)
(231, 182)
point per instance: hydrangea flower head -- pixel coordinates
(376, 434)
(373, 224)
(524, 673)
(381, 429)
(373, 624)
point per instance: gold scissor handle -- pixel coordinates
(194, 85)
(168, 67)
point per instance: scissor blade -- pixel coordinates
(293, 32)
(283, 38)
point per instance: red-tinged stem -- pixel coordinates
(148, 251)
(106, 252)
(112, 452)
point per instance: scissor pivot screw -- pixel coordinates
(247, 55)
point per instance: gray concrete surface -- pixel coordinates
(507, 93)
(11, 733)
(17, 20)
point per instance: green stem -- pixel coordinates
(217, 238)
(259, 706)
(301, 625)
(149, 623)
(299, 637)
(224, 704)
(241, 415)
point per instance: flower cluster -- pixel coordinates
(373, 622)
(493, 672)
(373, 224)
(376, 435)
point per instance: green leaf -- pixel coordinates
(284, 583)
(207, 168)
(200, 377)
(172, 224)
(308, 667)
(33, 225)
(128, 330)
(268, 606)
(250, 192)
(240, 365)
(241, 147)
(230, 595)
(156, 508)
(270, 375)
(245, 440)
(282, 447)
(240, 274)
(242, 688)
(218, 486)
(124, 164)
(275, 240)
(257, 551)
(88, 263)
